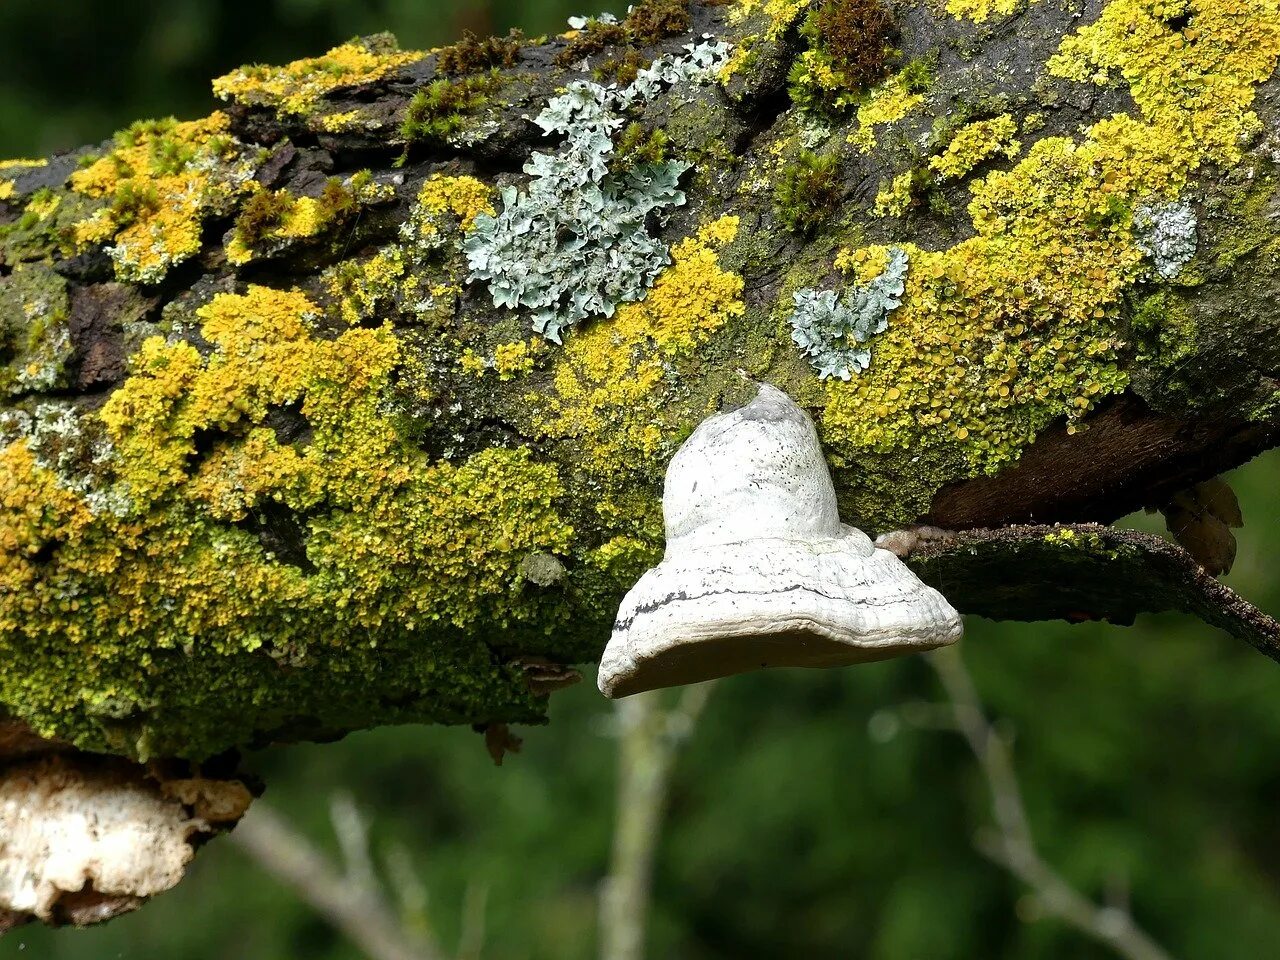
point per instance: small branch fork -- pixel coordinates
(650, 738)
(1010, 843)
(349, 895)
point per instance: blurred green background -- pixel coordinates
(805, 820)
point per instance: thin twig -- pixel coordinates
(349, 900)
(649, 739)
(1011, 844)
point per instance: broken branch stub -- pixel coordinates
(759, 571)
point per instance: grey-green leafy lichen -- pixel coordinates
(1167, 234)
(576, 243)
(834, 331)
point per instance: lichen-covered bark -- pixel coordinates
(282, 453)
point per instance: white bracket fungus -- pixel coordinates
(84, 838)
(759, 571)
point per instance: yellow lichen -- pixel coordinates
(980, 11)
(513, 359)
(889, 102)
(975, 143)
(1194, 85)
(272, 218)
(20, 162)
(509, 360)
(608, 380)
(893, 200)
(781, 13)
(44, 205)
(1020, 325)
(339, 122)
(739, 57)
(464, 197)
(471, 363)
(360, 287)
(445, 210)
(6, 189)
(298, 87)
(160, 183)
(395, 546)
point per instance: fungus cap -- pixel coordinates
(759, 571)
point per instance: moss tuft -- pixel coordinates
(639, 146)
(474, 54)
(850, 48)
(273, 218)
(808, 191)
(652, 20)
(442, 108)
(596, 36)
(648, 23)
(157, 186)
(621, 69)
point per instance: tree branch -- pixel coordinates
(650, 737)
(1011, 844)
(349, 896)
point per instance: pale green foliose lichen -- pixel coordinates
(1166, 233)
(575, 243)
(833, 330)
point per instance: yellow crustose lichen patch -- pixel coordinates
(894, 199)
(608, 380)
(889, 102)
(975, 143)
(463, 197)
(159, 183)
(1019, 326)
(980, 11)
(297, 87)
(6, 189)
(509, 360)
(446, 209)
(394, 543)
(781, 13)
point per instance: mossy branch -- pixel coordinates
(283, 453)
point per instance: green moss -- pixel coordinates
(621, 69)
(474, 54)
(443, 107)
(160, 183)
(272, 220)
(595, 37)
(639, 145)
(919, 75)
(648, 22)
(808, 191)
(45, 230)
(850, 48)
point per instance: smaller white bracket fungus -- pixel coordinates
(759, 571)
(85, 838)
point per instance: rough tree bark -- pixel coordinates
(282, 454)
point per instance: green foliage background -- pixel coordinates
(805, 821)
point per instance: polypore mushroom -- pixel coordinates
(759, 571)
(84, 838)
